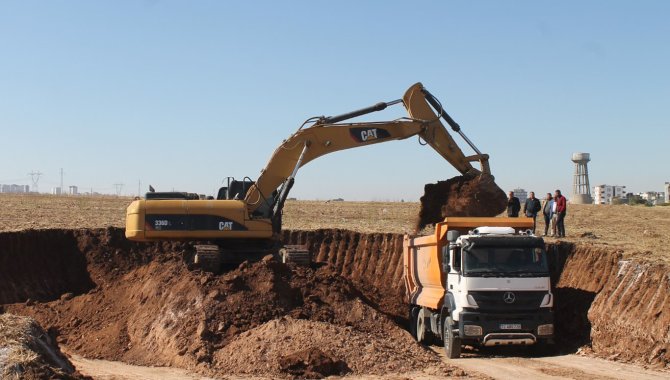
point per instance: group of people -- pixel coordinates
(553, 209)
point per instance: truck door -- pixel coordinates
(454, 274)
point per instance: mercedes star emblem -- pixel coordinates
(509, 297)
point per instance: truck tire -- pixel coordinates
(420, 327)
(413, 313)
(452, 343)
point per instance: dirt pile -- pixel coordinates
(28, 352)
(460, 196)
(344, 349)
(148, 308)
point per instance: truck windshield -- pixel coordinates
(505, 261)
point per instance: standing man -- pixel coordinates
(531, 208)
(547, 211)
(561, 209)
(513, 206)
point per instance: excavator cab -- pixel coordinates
(234, 189)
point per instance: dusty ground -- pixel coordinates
(642, 232)
(597, 291)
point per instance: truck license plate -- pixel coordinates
(510, 326)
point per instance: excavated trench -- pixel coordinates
(105, 297)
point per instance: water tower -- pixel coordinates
(581, 190)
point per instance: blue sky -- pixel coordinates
(181, 94)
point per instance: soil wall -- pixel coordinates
(41, 265)
(619, 309)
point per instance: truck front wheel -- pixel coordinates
(452, 343)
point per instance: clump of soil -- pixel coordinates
(311, 364)
(460, 196)
(28, 352)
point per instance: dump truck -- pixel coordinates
(479, 282)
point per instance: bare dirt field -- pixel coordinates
(110, 303)
(641, 232)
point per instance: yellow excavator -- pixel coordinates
(244, 221)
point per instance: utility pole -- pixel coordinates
(62, 191)
(118, 187)
(35, 177)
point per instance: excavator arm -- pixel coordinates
(328, 134)
(254, 223)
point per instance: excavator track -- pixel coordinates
(295, 254)
(208, 257)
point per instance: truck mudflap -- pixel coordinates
(495, 329)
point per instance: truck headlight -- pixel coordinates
(545, 329)
(547, 301)
(471, 301)
(472, 330)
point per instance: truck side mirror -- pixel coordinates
(452, 236)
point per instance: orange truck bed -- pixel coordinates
(425, 280)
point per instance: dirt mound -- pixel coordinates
(28, 352)
(460, 196)
(148, 308)
(266, 348)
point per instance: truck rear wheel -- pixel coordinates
(452, 343)
(424, 335)
(420, 327)
(413, 315)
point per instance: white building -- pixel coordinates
(603, 194)
(667, 192)
(56, 191)
(653, 197)
(521, 194)
(74, 190)
(14, 189)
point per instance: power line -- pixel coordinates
(118, 187)
(35, 178)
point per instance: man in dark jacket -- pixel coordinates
(561, 209)
(532, 207)
(513, 206)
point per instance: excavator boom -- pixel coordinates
(328, 136)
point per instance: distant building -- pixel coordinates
(56, 191)
(667, 192)
(73, 190)
(521, 194)
(14, 189)
(603, 194)
(653, 197)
